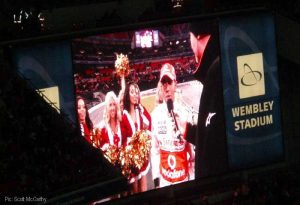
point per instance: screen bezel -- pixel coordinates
(124, 28)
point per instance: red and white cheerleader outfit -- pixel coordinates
(129, 127)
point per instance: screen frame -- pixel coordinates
(119, 28)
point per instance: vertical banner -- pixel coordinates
(251, 90)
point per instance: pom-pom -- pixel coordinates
(132, 157)
(122, 65)
(126, 162)
(135, 154)
(112, 154)
(141, 143)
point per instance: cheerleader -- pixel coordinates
(135, 117)
(85, 123)
(111, 129)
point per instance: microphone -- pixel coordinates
(170, 107)
(137, 116)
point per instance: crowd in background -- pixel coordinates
(146, 75)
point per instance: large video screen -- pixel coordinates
(170, 102)
(199, 99)
(138, 100)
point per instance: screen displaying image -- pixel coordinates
(140, 104)
(147, 38)
(167, 104)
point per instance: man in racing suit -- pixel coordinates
(170, 153)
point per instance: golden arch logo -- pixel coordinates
(251, 77)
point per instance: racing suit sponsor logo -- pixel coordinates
(172, 161)
(174, 166)
(172, 145)
(162, 129)
(173, 175)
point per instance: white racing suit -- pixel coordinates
(170, 155)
